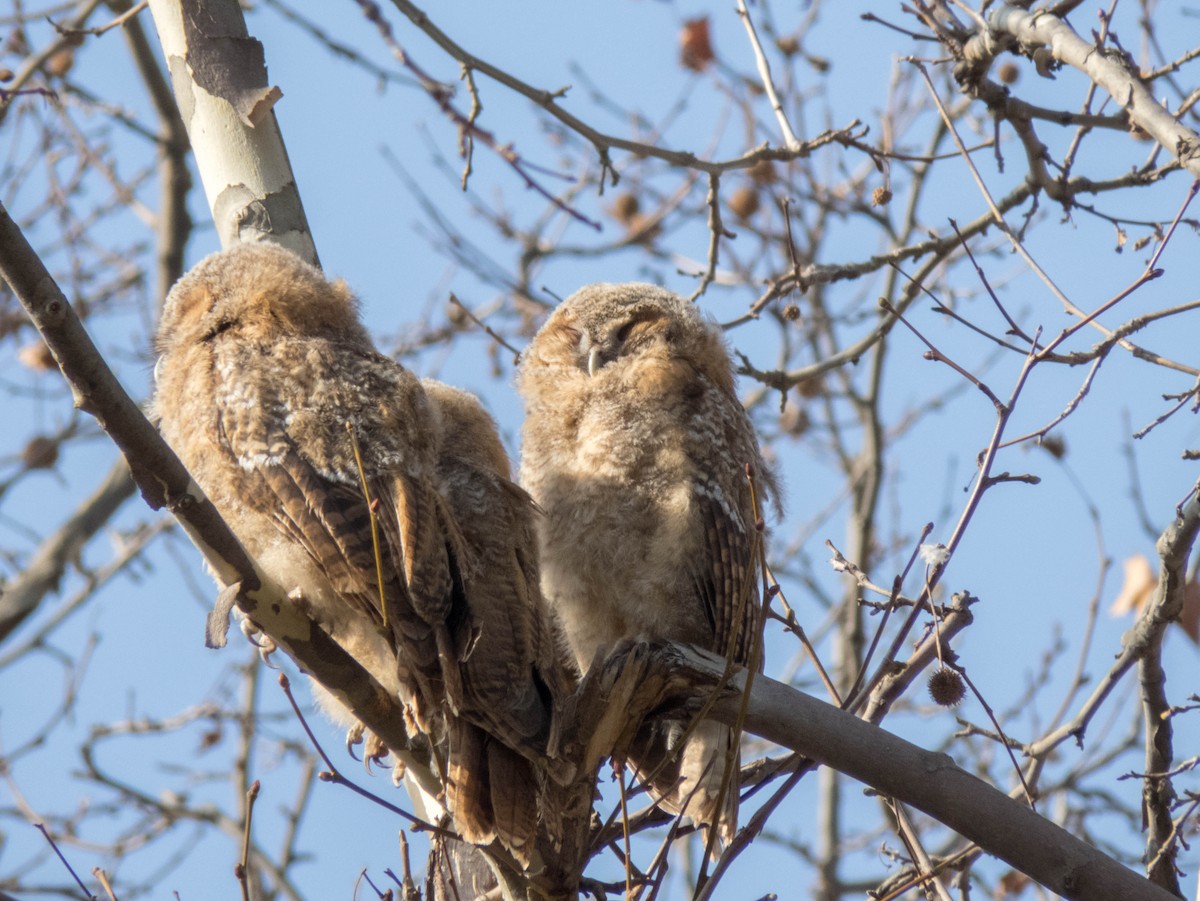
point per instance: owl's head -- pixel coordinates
(259, 292)
(604, 329)
(468, 432)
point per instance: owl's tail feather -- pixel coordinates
(514, 800)
(491, 792)
(688, 780)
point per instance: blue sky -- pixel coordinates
(1031, 554)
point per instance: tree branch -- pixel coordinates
(1107, 67)
(164, 482)
(22, 596)
(219, 76)
(682, 677)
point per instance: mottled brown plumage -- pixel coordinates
(505, 635)
(272, 393)
(636, 448)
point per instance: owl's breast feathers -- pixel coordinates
(342, 476)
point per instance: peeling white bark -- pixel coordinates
(220, 84)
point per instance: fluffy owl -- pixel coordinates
(317, 450)
(636, 448)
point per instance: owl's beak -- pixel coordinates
(590, 350)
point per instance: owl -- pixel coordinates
(637, 450)
(381, 505)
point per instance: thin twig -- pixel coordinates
(491, 333)
(334, 775)
(242, 870)
(41, 827)
(371, 502)
(790, 141)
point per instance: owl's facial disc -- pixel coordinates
(589, 351)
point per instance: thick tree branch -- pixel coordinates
(1158, 794)
(219, 76)
(929, 781)
(1107, 67)
(164, 482)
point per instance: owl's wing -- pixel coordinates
(327, 515)
(417, 538)
(496, 638)
(724, 573)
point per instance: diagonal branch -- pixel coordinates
(1107, 67)
(678, 678)
(22, 596)
(164, 482)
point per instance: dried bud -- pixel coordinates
(788, 45)
(456, 315)
(762, 172)
(946, 688)
(6, 74)
(813, 387)
(1008, 72)
(791, 313)
(744, 202)
(211, 738)
(881, 196)
(625, 207)
(16, 43)
(1055, 446)
(794, 420)
(37, 357)
(60, 62)
(40, 453)
(695, 45)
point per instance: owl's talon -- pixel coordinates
(374, 751)
(265, 643)
(354, 737)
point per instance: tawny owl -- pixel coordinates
(636, 448)
(308, 442)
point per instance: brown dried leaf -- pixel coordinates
(695, 45)
(1139, 585)
(1054, 445)
(1011, 883)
